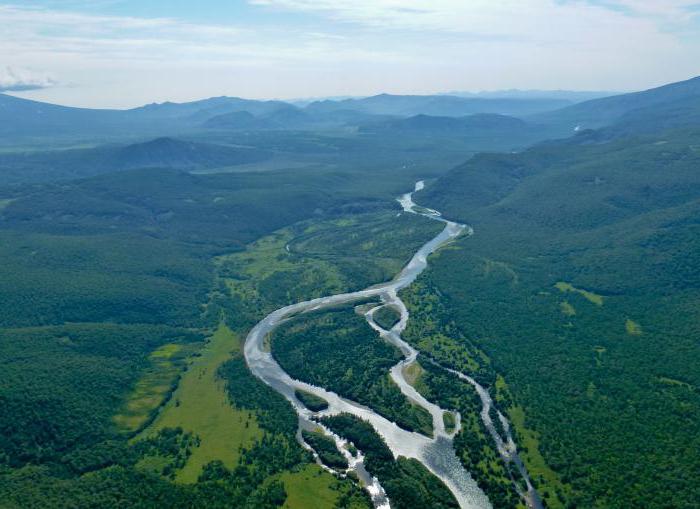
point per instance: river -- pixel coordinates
(436, 454)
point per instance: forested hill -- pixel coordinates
(164, 152)
(588, 252)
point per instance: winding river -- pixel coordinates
(437, 453)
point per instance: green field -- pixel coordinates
(589, 296)
(313, 488)
(200, 406)
(154, 386)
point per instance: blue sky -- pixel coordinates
(122, 53)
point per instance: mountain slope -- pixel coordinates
(158, 153)
(581, 284)
(601, 112)
(436, 105)
(427, 123)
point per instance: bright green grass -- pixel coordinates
(535, 463)
(590, 296)
(310, 488)
(153, 387)
(200, 406)
(633, 328)
(567, 308)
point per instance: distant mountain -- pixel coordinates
(437, 105)
(283, 117)
(427, 123)
(197, 111)
(26, 118)
(158, 153)
(572, 96)
(620, 108)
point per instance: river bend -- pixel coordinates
(437, 453)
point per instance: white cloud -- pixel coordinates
(353, 47)
(17, 79)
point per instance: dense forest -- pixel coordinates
(354, 362)
(585, 302)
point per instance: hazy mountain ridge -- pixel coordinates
(608, 110)
(162, 152)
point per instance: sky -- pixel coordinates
(124, 53)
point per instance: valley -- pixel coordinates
(237, 310)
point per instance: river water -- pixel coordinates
(436, 453)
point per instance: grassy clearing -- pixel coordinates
(310, 488)
(673, 382)
(200, 405)
(567, 309)
(412, 372)
(547, 480)
(565, 287)
(633, 328)
(154, 386)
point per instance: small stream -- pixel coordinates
(436, 454)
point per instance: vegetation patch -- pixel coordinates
(325, 448)
(588, 295)
(311, 401)
(567, 309)
(200, 406)
(413, 372)
(633, 328)
(337, 350)
(312, 488)
(554, 490)
(449, 420)
(408, 484)
(386, 317)
(155, 385)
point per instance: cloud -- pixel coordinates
(18, 80)
(503, 18)
(328, 47)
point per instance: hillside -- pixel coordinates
(608, 110)
(158, 153)
(581, 285)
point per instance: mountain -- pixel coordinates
(200, 110)
(572, 96)
(158, 153)
(437, 105)
(427, 123)
(26, 118)
(606, 111)
(284, 117)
